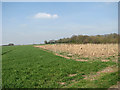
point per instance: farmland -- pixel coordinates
(59, 66)
(77, 51)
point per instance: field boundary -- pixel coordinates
(61, 55)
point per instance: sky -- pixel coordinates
(35, 22)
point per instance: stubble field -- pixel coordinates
(76, 51)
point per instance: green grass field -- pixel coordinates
(30, 67)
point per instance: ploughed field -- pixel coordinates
(84, 50)
(60, 66)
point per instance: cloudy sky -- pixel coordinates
(28, 23)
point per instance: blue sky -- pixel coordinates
(28, 23)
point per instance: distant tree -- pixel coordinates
(52, 41)
(10, 44)
(82, 39)
(45, 42)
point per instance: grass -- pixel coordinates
(103, 82)
(30, 67)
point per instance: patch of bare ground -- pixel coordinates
(73, 80)
(39, 46)
(62, 83)
(100, 73)
(115, 60)
(105, 60)
(62, 56)
(71, 75)
(81, 60)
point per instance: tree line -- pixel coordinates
(83, 39)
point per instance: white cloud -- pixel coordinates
(45, 16)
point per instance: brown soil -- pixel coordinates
(62, 83)
(71, 75)
(105, 60)
(81, 60)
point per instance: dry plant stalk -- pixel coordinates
(84, 50)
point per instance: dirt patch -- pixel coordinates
(107, 70)
(105, 60)
(73, 80)
(62, 83)
(62, 56)
(38, 46)
(81, 60)
(71, 75)
(116, 60)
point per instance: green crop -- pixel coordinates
(30, 67)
